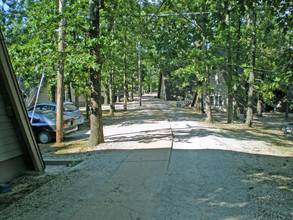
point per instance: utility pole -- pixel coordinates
(37, 97)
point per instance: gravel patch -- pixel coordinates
(215, 171)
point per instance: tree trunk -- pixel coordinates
(193, 99)
(244, 113)
(160, 83)
(249, 114)
(53, 93)
(287, 104)
(288, 96)
(106, 101)
(228, 74)
(208, 97)
(60, 75)
(235, 110)
(111, 93)
(69, 93)
(207, 84)
(139, 76)
(238, 70)
(111, 73)
(76, 101)
(97, 134)
(199, 107)
(287, 109)
(259, 107)
(87, 107)
(125, 90)
(151, 87)
(132, 88)
(230, 106)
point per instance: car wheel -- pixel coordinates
(44, 137)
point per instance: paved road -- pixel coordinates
(164, 164)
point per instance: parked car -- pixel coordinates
(44, 125)
(287, 129)
(69, 109)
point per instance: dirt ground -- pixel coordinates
(252, 178)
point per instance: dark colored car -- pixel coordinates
(69, 109)
(44, 125)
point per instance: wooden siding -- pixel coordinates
(9, 147)
(11, 168)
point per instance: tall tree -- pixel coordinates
(60, 74)
(125, 89)
(139, 74)
(228, 73)
(207, 83)
(252, 26)
(97, 134)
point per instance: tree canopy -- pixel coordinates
(187, 42)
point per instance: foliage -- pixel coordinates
(172, 34)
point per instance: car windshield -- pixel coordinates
(48, 117)
(69, 108)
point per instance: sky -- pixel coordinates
(5, 5)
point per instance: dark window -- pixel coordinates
(217, 100)
(220, 100)
(212, 100)
(35, 120)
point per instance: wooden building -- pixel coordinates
(19, 151)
